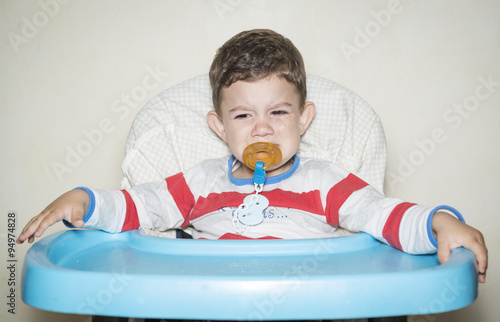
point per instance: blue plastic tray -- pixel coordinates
(133, 275)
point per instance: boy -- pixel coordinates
(259, 94)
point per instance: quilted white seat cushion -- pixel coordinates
(170, 133)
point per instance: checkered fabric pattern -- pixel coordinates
(171, 133)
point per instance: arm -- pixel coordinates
(71, 206)
(451, 233)
(150, 205)
(352, 204)
(409, 227)
(403, 228)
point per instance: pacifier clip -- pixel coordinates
(259, 157)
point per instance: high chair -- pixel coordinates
(140, 274)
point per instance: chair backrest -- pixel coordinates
(170, 133)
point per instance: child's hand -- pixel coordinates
(71, 206)
(452, 233)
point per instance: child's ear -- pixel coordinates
(216, 124)
(307, 116)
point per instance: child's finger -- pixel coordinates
(72, 215)
(30, 228)
(478, 247)
(46, 222)
(76, 218)
(475, 244)
(38, 224)
(70, 206)
(443, 252)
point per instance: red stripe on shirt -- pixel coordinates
(182, 195)
(391, 227)
(338, 194)
(235, 236)
(216, 201)
(306, 201)
(131, 217)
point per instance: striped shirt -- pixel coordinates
(311, 200)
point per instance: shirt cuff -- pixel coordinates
(90, 210)
(450, 210)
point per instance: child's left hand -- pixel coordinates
(452, 233)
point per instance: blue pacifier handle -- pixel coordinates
(259, 176)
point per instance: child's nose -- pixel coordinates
(262, 128)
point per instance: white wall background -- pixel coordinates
(66, 64)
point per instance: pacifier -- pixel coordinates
(265, 152)
(257, 156)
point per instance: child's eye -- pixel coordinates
(279, 112)
(242, 116)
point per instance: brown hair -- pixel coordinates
(254, 55)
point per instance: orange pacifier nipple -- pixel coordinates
(266, 152)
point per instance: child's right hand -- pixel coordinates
(70, 206)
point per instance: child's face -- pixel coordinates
(261, 111)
